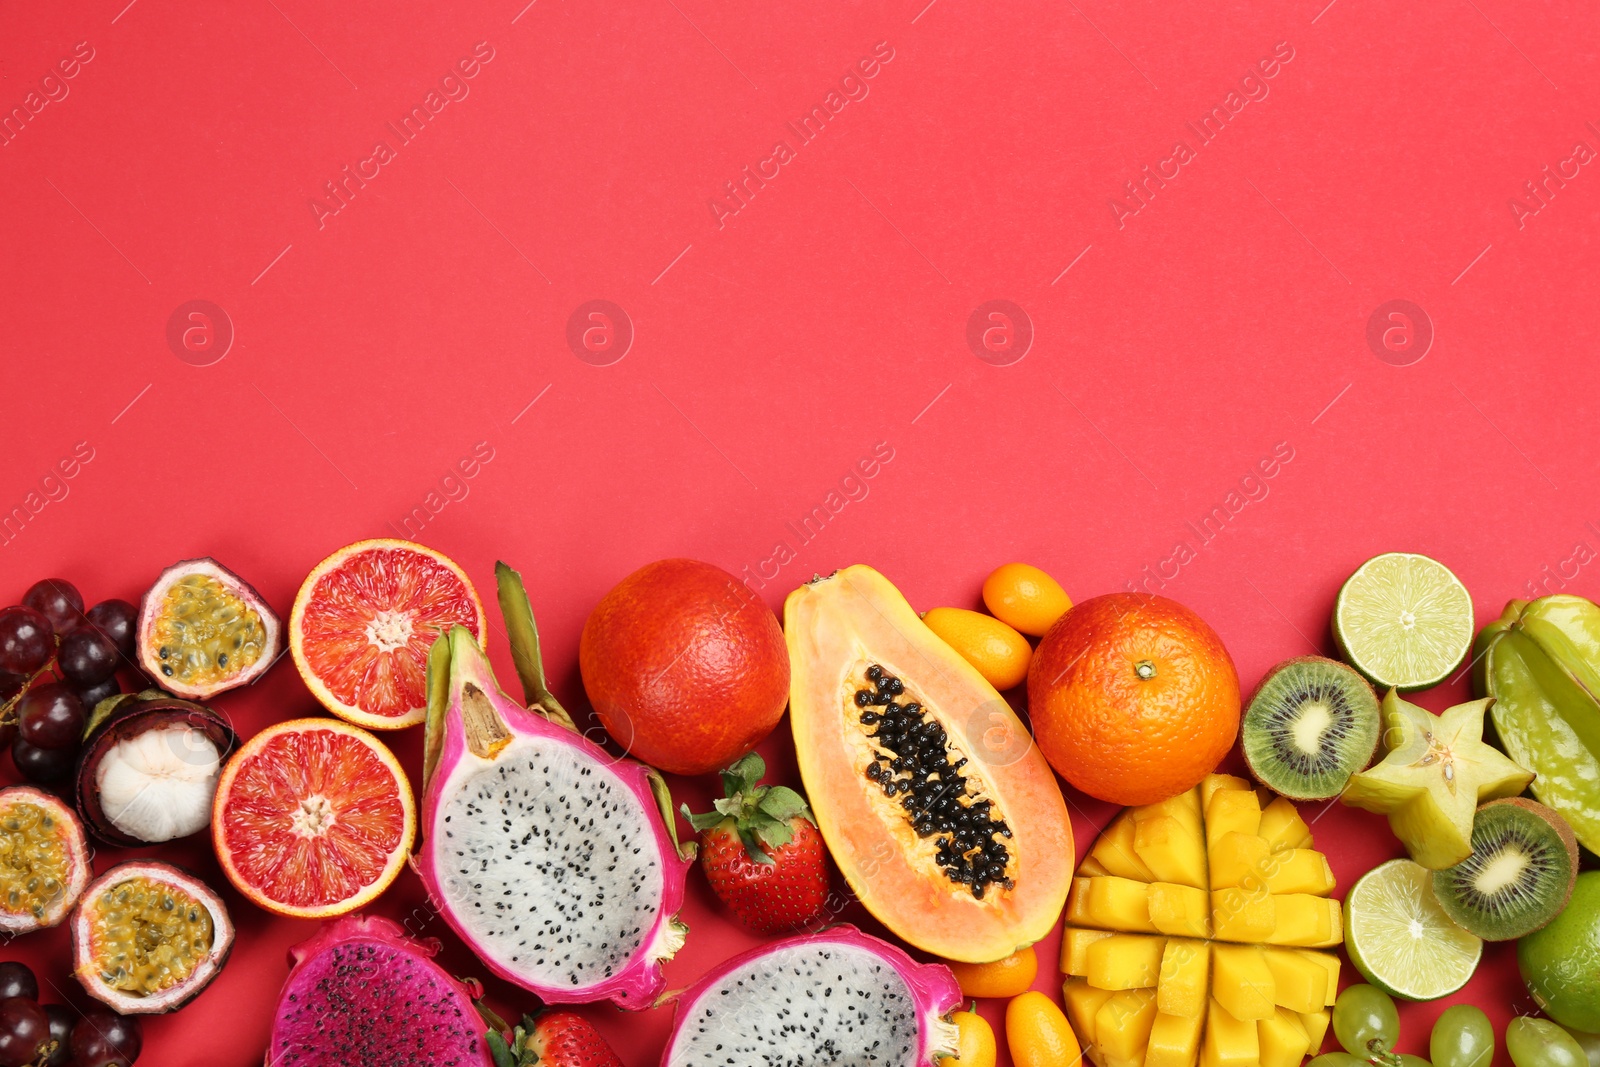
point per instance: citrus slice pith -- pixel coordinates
(313, 818)
(363, 622)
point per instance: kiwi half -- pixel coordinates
(1523, 865)
(1312, 723)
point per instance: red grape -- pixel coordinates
(116, 619)
(96, 693)
(87, 657)
(57, 600)
(17, 980)
(105, 1039)
(51, 716)
(26, 640)
(62, 1020)
(23, 1028)
(42, 764)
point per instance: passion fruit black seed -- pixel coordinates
(913, 762)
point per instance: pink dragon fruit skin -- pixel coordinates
(362, 994)
(525, 786)
(829, 997)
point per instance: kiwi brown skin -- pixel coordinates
(1569, 841)
(1354, 677)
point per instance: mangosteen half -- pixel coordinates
(149, 768)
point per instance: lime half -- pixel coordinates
(1404, 621)
(1401, 940)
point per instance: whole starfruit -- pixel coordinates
(1541, 662)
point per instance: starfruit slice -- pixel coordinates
(1435, 772)
(1541, 662)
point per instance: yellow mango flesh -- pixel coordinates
(1192, 939)
(1282, 1040)
(1124, 961)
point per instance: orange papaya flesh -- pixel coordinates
(967, 860)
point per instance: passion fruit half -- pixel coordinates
(149, 768)
(203, 630)
(147, 937)
(44, 860)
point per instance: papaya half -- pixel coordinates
(940, 811)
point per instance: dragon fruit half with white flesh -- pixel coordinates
(836, 998)
(555, 861)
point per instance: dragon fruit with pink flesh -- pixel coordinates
(837, 998)
(554, 860)
(362, 994)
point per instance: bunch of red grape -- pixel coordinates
(86, 648)
(53, 1035)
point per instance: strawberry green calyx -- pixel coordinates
(759, 814)
(518, 1050)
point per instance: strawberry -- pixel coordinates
(553, 1039)
(761, 851)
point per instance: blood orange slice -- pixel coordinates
(313, 818)
(364, 620)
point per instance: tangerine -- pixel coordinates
(1133, 698)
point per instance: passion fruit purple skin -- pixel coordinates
(86, 965)
(13, 923)
(150, 613)
(130, 716)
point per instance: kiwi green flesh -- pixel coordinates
(1312, 723)
(1521, 872)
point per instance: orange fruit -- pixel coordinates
(312, 818)
(363, 622)
(1002, 978)
(1038, 1035)
(1025, 598)
(1133, 698)
(999, 652)
(975, 1045)
(685, 666)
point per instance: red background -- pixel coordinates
(771, 351)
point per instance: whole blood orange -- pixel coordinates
(1133, 698)
(685, 666)
(363, 623)
(313, 818)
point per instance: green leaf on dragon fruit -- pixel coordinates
(438, 685)
(663, 795)
(517, 611)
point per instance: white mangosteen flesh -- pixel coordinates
(158, 785)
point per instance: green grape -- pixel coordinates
(1409, 1060)
(1590, 1043)
(1463, 1037)
(1541, 1043)
(1337, 1059)
(1365, 1020)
